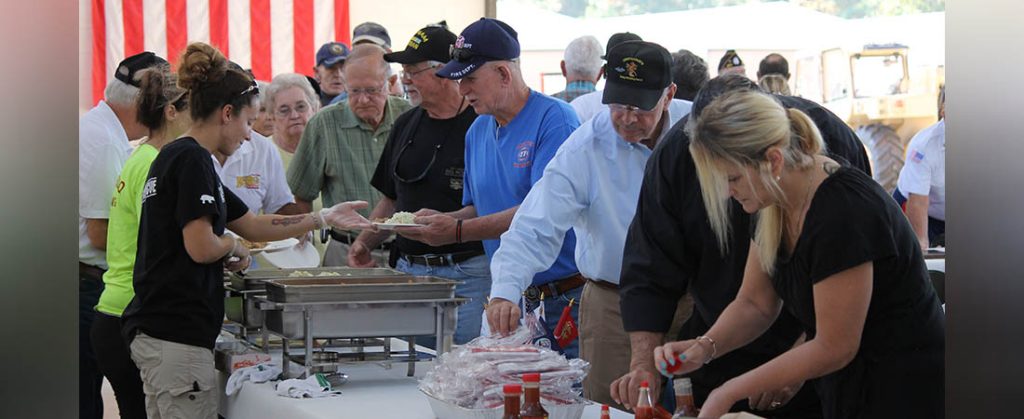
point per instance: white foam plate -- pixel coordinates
(276, 246)
(295, 257)
(384, 226)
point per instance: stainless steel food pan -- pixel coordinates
(254, 279)
(379, 288)
(354, 320)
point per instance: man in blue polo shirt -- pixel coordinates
(507, 149)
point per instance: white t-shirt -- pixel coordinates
(588, 105)
(102, 150)
(924, 172)
(255, 173)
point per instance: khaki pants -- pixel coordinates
(179, 380)
(337, 254)
(604, 342)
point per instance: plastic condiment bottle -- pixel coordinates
(531, 398)
(512, 394)
(644, 408)
(605, 413)
(684, 397)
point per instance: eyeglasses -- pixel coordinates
(368, 91)
(286, 111)
(408, 75)
(615, 107)
(426, 169)
(463, 55)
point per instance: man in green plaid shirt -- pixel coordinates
(342, 143)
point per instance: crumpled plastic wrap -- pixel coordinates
(472, 375)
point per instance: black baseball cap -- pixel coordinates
(129, 66)
(617, 39)
(729, 60)
(430, 43)
(638, 73)
(482, 41)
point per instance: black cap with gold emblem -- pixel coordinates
(638, 73)
(428, 44)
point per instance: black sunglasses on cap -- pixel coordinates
(463, 55)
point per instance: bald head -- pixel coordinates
(366, 58)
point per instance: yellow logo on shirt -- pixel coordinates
(248, 182)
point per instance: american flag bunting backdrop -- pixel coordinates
(269, 36)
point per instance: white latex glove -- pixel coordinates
(344, 216)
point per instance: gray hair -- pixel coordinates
(287, 81)
(121, 93)
(583, 57)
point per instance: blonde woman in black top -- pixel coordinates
(832, 248)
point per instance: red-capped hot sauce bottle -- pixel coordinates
(531, 398)
(512, 393)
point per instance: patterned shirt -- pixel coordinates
(575, 89)
(338, 154)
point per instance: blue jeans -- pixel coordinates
(475, 274)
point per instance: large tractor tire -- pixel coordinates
(886, 151)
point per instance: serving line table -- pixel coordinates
(371, 391)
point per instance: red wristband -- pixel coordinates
(458, 231)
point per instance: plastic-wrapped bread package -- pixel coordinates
(472, 376)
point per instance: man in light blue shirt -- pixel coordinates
(592, 185)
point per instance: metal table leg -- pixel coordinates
(307, 333)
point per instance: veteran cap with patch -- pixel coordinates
(638, 73)
(729, 60)
(128, 67)
(482, 41)
(332, 53)
(428, 44)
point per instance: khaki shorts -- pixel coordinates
(605, 343)
(179, 380)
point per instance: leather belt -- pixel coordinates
(346, 238)
(447, 259)
(554, 288)
(94, 272)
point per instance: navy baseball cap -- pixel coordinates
(482, 41)
(431, 43)
(128, 67)
(638, 73)
(332, 53)
(371, 32)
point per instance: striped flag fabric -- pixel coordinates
(269, 36)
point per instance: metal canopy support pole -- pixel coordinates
(307, 333)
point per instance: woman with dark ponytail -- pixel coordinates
(833, 246)
(162, 107)
(175, 316)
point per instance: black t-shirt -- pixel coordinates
(177, 299)
(850, 221)
(670, 249)
(415, 140)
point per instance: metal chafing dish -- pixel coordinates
(361, 307)
(240, 308)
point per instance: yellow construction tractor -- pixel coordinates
(878, 94)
